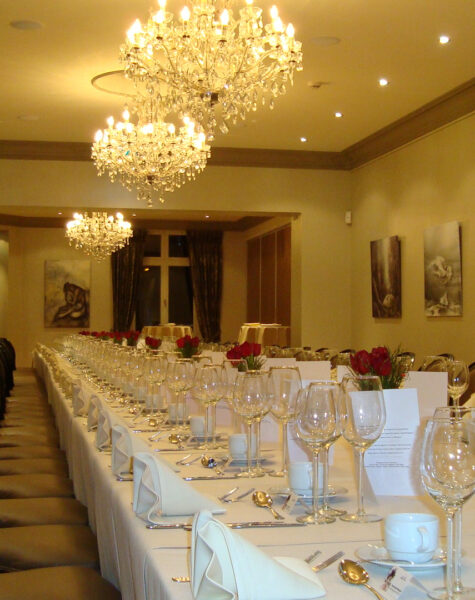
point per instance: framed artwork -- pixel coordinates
(67, 287)
(443, 271)
(386, 277)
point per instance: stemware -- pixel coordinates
(434, 363)
(457, 379)
(316, 424)
(284, 384)
(251, 401)
(363, 418)
(468, 414)
(448, 475)
(180, 377)
(208, 389)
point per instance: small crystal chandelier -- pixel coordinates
(98, 235)
(210, 65)
(150, 155)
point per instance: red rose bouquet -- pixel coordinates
(131, 337)
(153, 343)
(247, 353)
(188, 346)
(382, 362)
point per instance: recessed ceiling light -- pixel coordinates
(444, 39)
(28, 117)
(325, 40)
(60, 213)
(338, 115)
(26, 25)
(383, 82)
(206, 216)
(134, 215)
(303, 139)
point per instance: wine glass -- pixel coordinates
(180, 377)
(208, 389)
(316, 424)
(467, 413)
(251, 401)
(448, 475)
(364, 417)
(283, 386)
(434, 363)
(457, 379)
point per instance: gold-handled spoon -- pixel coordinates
(263, 500)
(178, 439)
(211, 463)
(351, 572)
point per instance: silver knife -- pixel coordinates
(167, 525)
(243, 525)
(209, 477)
(328, 562)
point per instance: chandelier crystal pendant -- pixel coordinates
(210, 65)
(150, 155)
(98, 235)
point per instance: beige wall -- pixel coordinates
(427, 183)
(29, 248)
(4, 252)
(233, 308)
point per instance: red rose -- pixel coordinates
(361, 362)
(235, 353)
(246, 349)
(381, 361)
(181, 342)
(256, 349)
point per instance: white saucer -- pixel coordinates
(305, 494)
(377, 554)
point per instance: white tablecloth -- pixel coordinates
(141, 562)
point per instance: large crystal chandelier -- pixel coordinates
(98, 235)
(150, 155)
(210, 65)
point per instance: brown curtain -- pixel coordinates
(206, 260)
(126, 269)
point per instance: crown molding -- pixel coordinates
(446, 109)
(453, 105)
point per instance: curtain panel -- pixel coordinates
(126, 270)
(206, 261)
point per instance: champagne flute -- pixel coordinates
(316, 424)
(284, 384)
(364, 417)
(448, 475)
(468, 414)
(251, 401)
(457, 379)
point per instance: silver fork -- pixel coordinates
(309, 559)
(224, 496)
(240, 497)
(190, 462)
(326, 563)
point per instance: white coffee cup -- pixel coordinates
(300, 477)
(411, 536)
(197, 426)
(238, 446)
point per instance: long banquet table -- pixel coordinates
(141, 562)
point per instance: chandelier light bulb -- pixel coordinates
(224, 18)
(126, 115)
(98, 136)
(110, 121)
(162, 3)
(134, 31)
(185, 13)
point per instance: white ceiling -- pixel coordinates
(46, 73)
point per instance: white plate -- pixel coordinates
(285, 491)
(377, 554)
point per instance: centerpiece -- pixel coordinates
(381, 362)
(246, 356)
(188, 346)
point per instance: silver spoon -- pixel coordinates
(351, 572)
(263, 500)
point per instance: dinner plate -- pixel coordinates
(285, 491)
(377, 554)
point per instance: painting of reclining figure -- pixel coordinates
(67, 285)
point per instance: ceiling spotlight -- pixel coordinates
(134, 215)
(383, 82)
(338, 115)
(444, 39)
(303, 139)
(206, 216)
(60, 213)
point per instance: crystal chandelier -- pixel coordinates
(98, 235)
(150, 155)
(210, 65)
